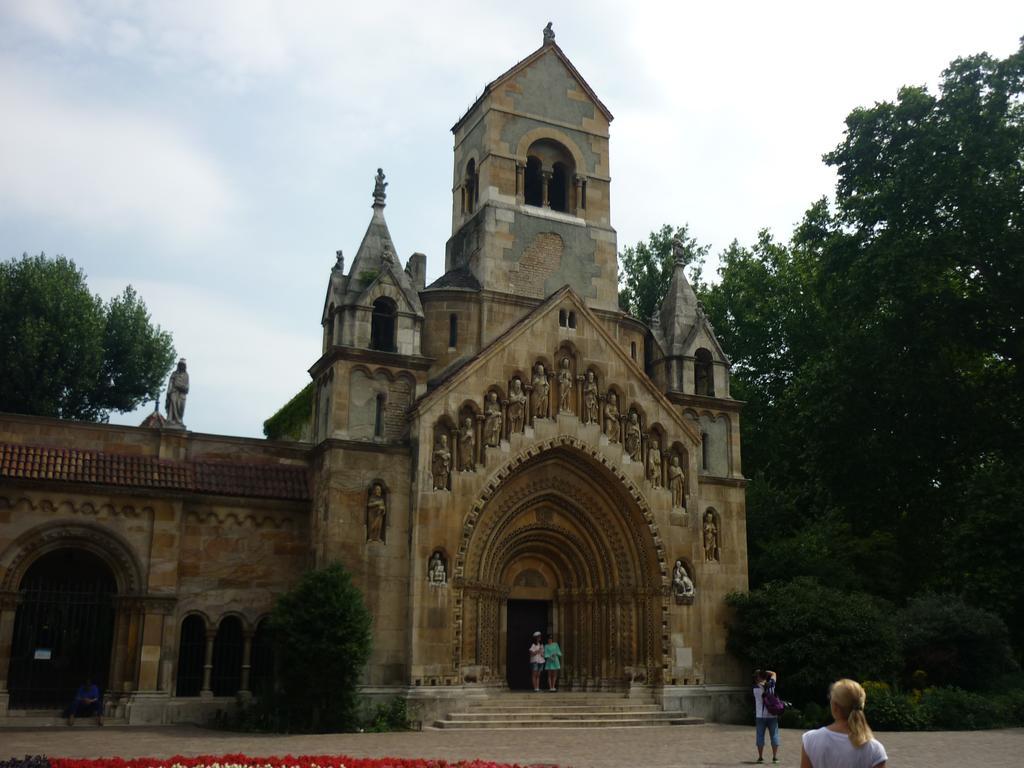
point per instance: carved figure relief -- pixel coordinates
(654, 464)
(565, 386)
(376, 513)
(437, 571)
(677, 483)
(591, 406)
(441, 464)
(467, 446)
(541, 400)
(712, 548)
(611, 418)
(516, 406)
(492, 420)
(682, 585)
(633, 440)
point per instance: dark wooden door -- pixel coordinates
(524, 618)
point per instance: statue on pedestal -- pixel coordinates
(591, 406)
(441, 464)
(467, 447)
(565, 387)
(654, 464)
(632, 444)
(611, 418)
(376, 513)
(177, 393)
(677, 483)
(541, 401)
(492, 420)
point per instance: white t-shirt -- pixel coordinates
(831, 749)
(536, 653)
(759, 708)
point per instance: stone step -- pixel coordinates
(559, 716)
(545, 707)
(637, 722)
(56, 721)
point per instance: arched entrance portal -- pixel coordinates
(561, 532)
(63, 628)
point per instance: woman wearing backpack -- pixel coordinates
(848, 742)
(764, 683)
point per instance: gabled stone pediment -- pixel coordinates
(532, 339)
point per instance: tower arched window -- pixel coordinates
(558, 188)
(703, 373)
(471, 187)
(533, 184)
(453, 330)
(382, 325)
(378, 416)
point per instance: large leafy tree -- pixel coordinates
(67, 353)
(647, 268)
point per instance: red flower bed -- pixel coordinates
(287, 761)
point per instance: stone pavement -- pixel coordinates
(654, 747)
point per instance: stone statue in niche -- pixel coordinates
(591, 405)
(541, 401)
(632, 444)
(677, 483)
(682, 585)
(492, 420)
(467, 446)
(516, 406)
(711, 540)
(441, 464)
(376, 513)
(611, 418)
(654, 464)
(437, 572)
(565, 387)
(177, 393)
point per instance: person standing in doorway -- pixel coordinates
(552, 662)
(764, 682)
(536, 660)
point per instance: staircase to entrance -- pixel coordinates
(565, 710)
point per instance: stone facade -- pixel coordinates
(501, 451)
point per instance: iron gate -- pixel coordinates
(63, 629)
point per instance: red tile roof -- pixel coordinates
(273, 481)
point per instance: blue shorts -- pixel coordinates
(772, 724)
(536, 666)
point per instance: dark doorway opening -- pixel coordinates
(63, 630)
(524, 618)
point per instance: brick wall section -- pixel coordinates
(29, 462)
(541, 259)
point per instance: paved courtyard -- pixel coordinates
(655, 747)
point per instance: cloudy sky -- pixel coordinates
(216, 154)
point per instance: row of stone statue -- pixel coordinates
(527, 403)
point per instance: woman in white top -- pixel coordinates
(764, 682)
(536, 660)
(848, 742)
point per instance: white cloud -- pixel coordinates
(59, 21)
(103, 167)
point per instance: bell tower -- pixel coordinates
(530, 191)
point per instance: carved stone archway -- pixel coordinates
(562, 508)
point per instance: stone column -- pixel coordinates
(528, 417)
(506, 425)
(580, 201)
(8, 609)
(207, 691)
(244, 692)
(520, 183)
(546, 177)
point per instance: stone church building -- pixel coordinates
(500, 452)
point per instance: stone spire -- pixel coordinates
(679, 309)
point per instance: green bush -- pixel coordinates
(887, 710)
(392, 716)
(953, 643)
(812, 635)
(954, 709)
(322, 642)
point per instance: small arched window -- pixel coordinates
(703, 373)
(453, 330)
(382, 325)
(705, 449)
(191, 653)
(563, 318)
(572, 319)
(261, 670)
(227, 657)
(632, 349)
(378, 417)
(533, 184)
(471, 192)
(558, 188)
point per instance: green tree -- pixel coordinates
(647, 268)
(322, 641)
(66, 353)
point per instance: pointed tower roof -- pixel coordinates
(675, 319)
(549, 44)
(377, 257)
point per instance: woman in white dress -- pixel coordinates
(848, 742)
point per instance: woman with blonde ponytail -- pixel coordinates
(848, 742)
